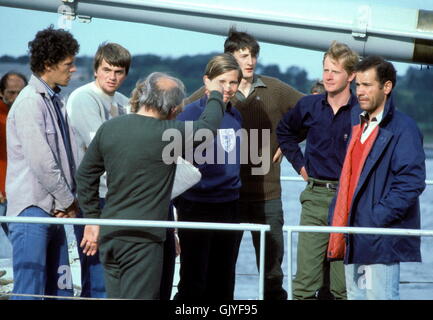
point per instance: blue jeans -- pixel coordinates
(92, 272)
(3, 207)
(40, 257)
(373, 281)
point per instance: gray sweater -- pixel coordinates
(88, 108)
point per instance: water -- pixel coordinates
(420, 275)
(416, 278)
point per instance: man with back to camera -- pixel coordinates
(41, 165)
(11, 85)
(131, 149)
(324, 121)
(262, 102)
(381, 181)
(88, 107)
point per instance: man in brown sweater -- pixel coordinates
(262, 101)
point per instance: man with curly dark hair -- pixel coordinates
(41, 167)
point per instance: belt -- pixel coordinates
(328, 185)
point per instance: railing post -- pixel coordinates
(289, 264)
(262, 265)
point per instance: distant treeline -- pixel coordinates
(189, 69)
(413, 94)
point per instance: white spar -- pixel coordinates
(399, 34)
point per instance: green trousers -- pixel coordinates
(132, 270)
(313, 270)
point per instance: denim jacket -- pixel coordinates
(38, 172)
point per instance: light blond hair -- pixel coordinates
(343, 54)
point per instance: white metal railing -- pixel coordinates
(161, 224)
(232, 227)
(320, 229)
(324, 229)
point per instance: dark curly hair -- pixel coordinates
(51, 46)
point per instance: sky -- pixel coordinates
(167, 42)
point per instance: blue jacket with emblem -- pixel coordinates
(220, 180)
(388, 190)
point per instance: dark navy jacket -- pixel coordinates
(388, 190)
(220, 182)
(327, 135)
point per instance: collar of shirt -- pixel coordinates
(52, 92)
(257, 82)
(352, 101)
(370, 125)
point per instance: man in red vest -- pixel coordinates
(382, 178)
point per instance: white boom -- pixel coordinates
(399, 34)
